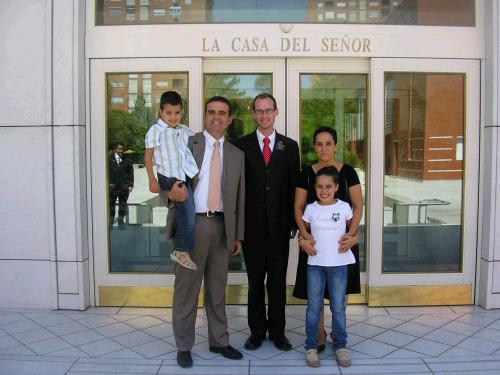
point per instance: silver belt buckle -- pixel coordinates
(210, 214)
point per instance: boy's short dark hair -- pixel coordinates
(170, 97)
(329, 171)
(325, 129)
(221, 99)
(264, 95)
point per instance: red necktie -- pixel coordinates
(266, 151)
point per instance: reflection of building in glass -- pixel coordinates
(125, 89)
(121, 12)
(340, 11)
(398, 12)
(424, 125)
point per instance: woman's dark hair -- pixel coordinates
(329, 171)
(325, 129)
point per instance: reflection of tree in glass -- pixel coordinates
(338, 101)
(222, 85)
(234, 87)
(130, 128)
(226, 85)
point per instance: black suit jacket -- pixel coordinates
(120, 175)
(269, 190)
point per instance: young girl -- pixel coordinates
(327, 220)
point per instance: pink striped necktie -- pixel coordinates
(214, 187)
(266, 151)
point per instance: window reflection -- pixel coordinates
(424, 122)
(339, 101)
(240, 89)
(390, 12)
(137, 217)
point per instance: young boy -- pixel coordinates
(166, 144)
(327, 220)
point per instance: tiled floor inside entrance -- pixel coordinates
(402, 340)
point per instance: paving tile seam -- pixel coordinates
(22, 346)
(457, 345)
(72, 365)
(395, 350)
(14, 338)
(27, 316)
(427, 365)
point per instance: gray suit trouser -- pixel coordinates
(211, 255)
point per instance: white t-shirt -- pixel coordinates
(328, 225)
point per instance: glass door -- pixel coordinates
(334, 93)
(309, 93)
(423, 187)
(131, 254)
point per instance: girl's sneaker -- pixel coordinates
(312, 358)
(343, 358)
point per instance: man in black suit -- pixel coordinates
(271, 168)
(121, 182)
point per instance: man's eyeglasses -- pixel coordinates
(267, 111)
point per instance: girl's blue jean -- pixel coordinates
(184, 216)
(337, 282)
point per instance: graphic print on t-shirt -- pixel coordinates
(328, 225)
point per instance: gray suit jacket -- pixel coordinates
(233, 188)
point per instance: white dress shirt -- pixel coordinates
(272, 139)
(201, 192)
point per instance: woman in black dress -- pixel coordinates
(325, 142)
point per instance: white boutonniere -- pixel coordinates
(280, 146)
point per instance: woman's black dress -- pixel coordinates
(347, 178)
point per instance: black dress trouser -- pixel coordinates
(266, 256)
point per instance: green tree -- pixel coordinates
(130, 128)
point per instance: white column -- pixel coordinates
(43, 224)
(489, 216)
(69, 145)
(27, 236)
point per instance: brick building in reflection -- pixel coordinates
(397, 12)
(125, 89)
(123, 12)
(424, 126)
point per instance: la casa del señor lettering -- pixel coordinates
(283, 44)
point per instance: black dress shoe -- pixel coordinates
(282, 343)
(184, 359)
(227, 351)
(254, 342)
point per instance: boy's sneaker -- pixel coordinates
(343, 358)
(183, 258)
(312, 358)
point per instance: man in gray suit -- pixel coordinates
(218, 234)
